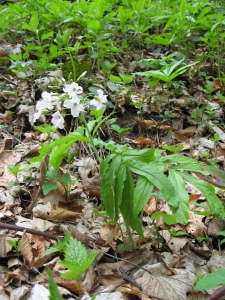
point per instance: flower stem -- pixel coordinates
(91, 139)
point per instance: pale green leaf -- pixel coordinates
(75, 252)
(157, 178)
(211, 281)
(181, 213)
(208, 191)
(143, 155)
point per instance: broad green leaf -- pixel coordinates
(47, 187)
(58, 155)
(142, 193)
(211, 281)
(107, 187)
(45, 36)
(183, 7)
(157, 178)
(127, 204)
(53, 288)
(34, 21)
(208, 191)
(177, 159)
(181, 213)
(168, 219)
(75, 252)
(66, 179)
(143, 155)
(94, 25)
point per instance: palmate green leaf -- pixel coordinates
(142, 193)
(211, 281)
(107, 186)
(181, 213)
(127, 204)
(157, 178)
(208, 191)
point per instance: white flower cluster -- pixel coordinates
(70, 100)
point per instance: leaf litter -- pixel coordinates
(169, 258)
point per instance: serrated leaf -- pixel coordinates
(120, 174)
(53, 288)
(127, 205)
(47, 187)
(157, 178)
(208, 191)
(75, 252)
(142, 193)
(212, 280)
(143, 155)
(182, 211)
(107, 187)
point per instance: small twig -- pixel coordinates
(218, 293)
(29, 230)
(129, 279)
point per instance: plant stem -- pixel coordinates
(130, 235)
(74, 67)
(90, 138)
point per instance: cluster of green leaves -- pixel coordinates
(103, 29)
(122, 194)
(76, 260)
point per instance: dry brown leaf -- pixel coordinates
(180, 137)
(189, 131)
(65, 212)
(172, 287)
(151, 206)
(71, 285)
(26, 249)
(143, 141)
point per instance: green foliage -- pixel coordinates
(128, 197)
(53, 288)
(77, 260)
(215, 279)
(61, 245)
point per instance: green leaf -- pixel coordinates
(52, 174)
(142, 193)
(115, 79)
(181, 213)
(48, 187)
(208, 191)
(77, 259)
(34, 21)
(143, 155)
(65, 178)
(168, 219)
(107, 187)
(14, 169)
(212, 280)
(121, 174)
(157, 178)
(183, 6)
(94, 25)
(127, 204)
(53, 288)
(59, 154)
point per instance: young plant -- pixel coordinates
(76, 258)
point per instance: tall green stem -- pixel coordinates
(90, 138)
